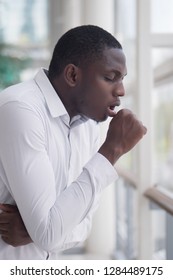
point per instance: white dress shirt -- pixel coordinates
(49, 167)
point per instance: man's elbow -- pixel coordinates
(49, 242)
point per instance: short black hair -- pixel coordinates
(80, 46)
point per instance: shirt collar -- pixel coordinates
(53, 101)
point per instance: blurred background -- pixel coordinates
(135, 217)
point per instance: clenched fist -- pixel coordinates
(124, 132)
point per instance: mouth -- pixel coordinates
(111, 109)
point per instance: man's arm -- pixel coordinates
(14, 232)
(48, 217)
(43, 219)
(12, 228)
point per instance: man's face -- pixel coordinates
(101, 85)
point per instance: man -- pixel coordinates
(51, 166)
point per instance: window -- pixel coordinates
(126, 220)
(161, 16)
(162, 103)
(23, 39)
(125, 31)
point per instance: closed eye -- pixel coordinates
(116, 77)
(109, 79)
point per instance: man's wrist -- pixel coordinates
(112, 154)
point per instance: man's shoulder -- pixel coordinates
(24, 92)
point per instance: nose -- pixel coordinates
(119, 89)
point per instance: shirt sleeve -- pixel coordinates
(81, 231)
(49, 219)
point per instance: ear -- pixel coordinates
(71, 74)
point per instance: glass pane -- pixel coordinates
(126, 220)
(160, 56)
(125, 26)
(23, 39)
(27, 24)
(158, 232)
(125, 30)
(161, 16)
(163, 135)
(162, 104)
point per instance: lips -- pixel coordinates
(111, 109)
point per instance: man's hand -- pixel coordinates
(124, 132)
(12, 228)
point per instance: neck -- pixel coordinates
(66, 96)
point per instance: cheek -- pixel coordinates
(94, 94)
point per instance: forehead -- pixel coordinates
(113, 60)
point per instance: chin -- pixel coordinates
(101, 119)
(98, 118)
